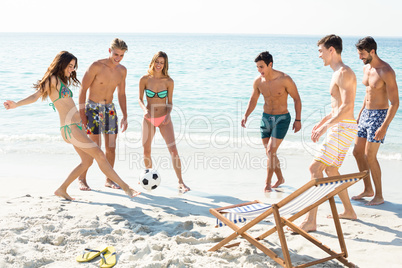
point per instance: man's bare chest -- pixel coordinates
(273, 90)
(108, 78)
(372, 79)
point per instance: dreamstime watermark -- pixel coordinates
(220, 130)
(199, 131)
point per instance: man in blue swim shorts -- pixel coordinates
(275, 126)
(379, 108)
(98, 113)
(370, 121)
(275, 87)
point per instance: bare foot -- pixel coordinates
(348, 215)
(308, 226)
(132, 193)
(375, 201)
(82, 183)
(279, 182)
(183, 188)
(63, 194)
(112, 184)
(345, 216)
(267, 189)
(362, 195)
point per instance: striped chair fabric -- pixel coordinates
(309, 197)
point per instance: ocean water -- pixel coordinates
(213, 77)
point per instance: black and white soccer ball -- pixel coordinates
(150, 179)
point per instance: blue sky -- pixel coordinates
(301, 17)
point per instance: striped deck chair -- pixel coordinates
(307, 197)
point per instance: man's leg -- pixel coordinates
(82, 179)
(110, 148)
(359, 152)
(310, 222)
(375, 169)
(273, 165)
(279, 133)
(349, 212)
(278, 173)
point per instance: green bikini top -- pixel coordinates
(151, 94)
(64, 92)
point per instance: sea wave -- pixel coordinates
(131, 141)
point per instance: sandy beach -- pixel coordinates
(164, 228)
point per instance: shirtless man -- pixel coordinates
(275, 86)
(98, 113)
(340, 123)
(379, 108)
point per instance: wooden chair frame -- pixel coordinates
(281, 222)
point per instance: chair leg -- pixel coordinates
(282, 238)
(338, 227)
(223, 242)
(242, 232)
(339, 232)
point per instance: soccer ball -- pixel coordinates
(150, 179)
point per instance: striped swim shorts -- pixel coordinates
(337, 143)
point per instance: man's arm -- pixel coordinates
(252, 103)
(87, 80)
(365, 98)
(361, 110)
(121, 94)
(294, 93)
(393, 96)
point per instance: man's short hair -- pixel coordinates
(266, 57)
(367, 43)
(117, 43)
(331, 40)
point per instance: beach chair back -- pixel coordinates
(310, 194)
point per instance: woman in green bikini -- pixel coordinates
(157, 86)
(54, 85)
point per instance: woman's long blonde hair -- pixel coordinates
(165, 69)
(57, 68)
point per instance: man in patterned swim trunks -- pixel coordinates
(98, 113)
(340, 124)
(102, 118)
(379, 108)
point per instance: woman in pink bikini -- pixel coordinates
(54, 85)
(158, 87)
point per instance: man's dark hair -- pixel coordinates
(331, 41)
(367, 43)
(266, 57)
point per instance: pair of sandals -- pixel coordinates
(108, 256)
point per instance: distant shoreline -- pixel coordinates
(122, 34)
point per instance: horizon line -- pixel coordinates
(194, 33)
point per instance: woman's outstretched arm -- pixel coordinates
(9, 104)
